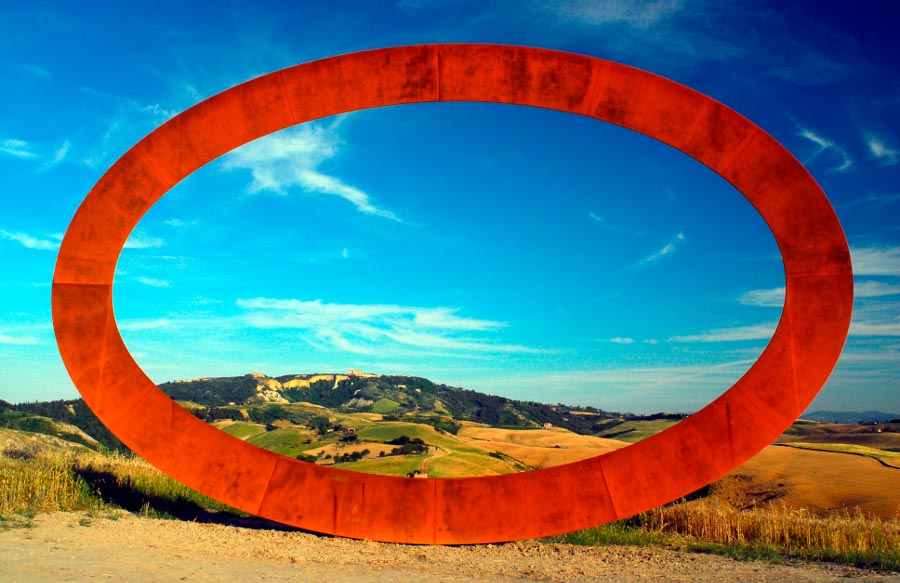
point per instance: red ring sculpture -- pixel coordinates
(657, 470)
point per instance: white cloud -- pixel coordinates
(377, 328)
(29, 241)
(874, 289)
(774, 298)
(61, 153)
(876, 260)
(767, 298)
(871, 316)
(17, 340)
(667, 249)
(864, 328)
(25, 151)
(734, 334)
(140, 240)
(17, 149)
(291, 158)
(621, 340)
(874, 316)
(180, 223)
(131, 325)
(887, 155)
(842, 160)
(152, 281)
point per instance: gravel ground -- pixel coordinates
(76, 547)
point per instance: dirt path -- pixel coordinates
(426, 465)
(76, 547)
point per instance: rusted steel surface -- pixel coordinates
(717, 439)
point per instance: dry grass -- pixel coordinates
(60, 480)
(30, 484)
(822, 482)
(886, 458)
(721, 524)
(539, 448)
(847, 537)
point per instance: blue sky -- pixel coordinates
(511, 250)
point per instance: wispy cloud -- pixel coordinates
(30, 241)
(664, 251)
(154, 110)
(865, 328)
(766, 298)
(180, 223)
(152, 281)
(774, 298)
(155, 324)
(876, 260)
(841, 159)
(29, 68)
(873, 315)
(141, 240)
(621, 340)
(734, 334)
(875, 200)
(26, 151)
(887, 155)
(640, 14)
(130, 120)
(101, 150)
(17, 149)
(292, 158)
(60, 154)
(875, 289)
(603, 222)
(17, 340)
(684, 388)
(377, 328)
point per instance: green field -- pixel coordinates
(242, 430)
(633, 431)
(385, 406)
(458, 465)
(286, 441)
(395, 465)
(387, 431)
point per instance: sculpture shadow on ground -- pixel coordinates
(131, 498)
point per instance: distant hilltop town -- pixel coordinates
(268, 389)
(301, 380)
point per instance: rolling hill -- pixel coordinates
(409, 426)
(392, 395)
